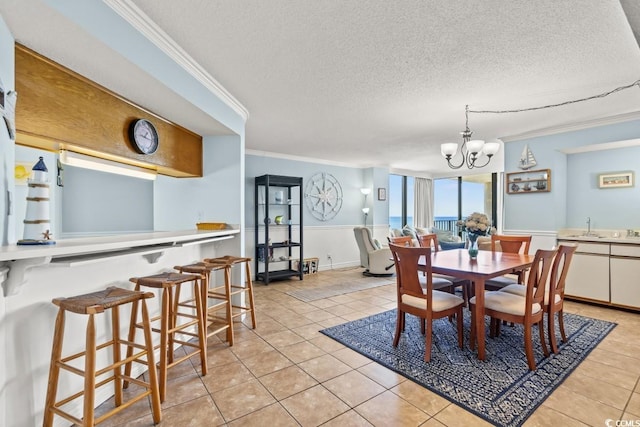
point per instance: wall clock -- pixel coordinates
(323, 196)
(144, 136)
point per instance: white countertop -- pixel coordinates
(84, 245)
(600, 239)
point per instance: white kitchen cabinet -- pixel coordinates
(588, 276)
(625, 275)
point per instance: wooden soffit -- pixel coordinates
(58, 108)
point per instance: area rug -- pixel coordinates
(316, 293)
(501, 389)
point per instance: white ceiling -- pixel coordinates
(372, 83)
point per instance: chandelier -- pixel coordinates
(471, 149)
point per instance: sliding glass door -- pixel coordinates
(456, 198)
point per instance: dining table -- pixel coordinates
(487, 265)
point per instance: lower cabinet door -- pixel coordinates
(588, 277)
(625, 285)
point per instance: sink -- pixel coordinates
(590, 234)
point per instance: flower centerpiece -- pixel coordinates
(475, 225)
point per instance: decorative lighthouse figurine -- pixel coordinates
(37, 228)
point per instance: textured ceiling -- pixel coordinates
(372, 82)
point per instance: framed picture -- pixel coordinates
(615, 180)
(382, 193)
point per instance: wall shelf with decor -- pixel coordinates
(278, 228)
(537, 181)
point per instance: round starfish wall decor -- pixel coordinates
(323, 196)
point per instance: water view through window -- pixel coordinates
(476, 196)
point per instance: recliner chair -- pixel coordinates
(376, 261)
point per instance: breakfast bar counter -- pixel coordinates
(16, 259)
(32, 276)
(84, 245)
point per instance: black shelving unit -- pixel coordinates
(278, 228)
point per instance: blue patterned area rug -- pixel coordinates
(500, 390)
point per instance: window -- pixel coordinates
(400, 200)
(446, 208)
(456, 198)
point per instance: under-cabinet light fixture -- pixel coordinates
(71, 158)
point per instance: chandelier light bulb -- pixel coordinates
(491, 148)
(448, 149)
(475, 146)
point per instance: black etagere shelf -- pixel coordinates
(278, 228)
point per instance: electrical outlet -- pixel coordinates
(329, 256)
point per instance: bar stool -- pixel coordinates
(92, 304)
(170, 305)
(221, 296)
(228, 261)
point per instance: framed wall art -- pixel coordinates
(382, 194)
(615, 179)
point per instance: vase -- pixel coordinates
(473, 245)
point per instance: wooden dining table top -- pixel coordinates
(488, 264)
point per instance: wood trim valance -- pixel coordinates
(58, 108)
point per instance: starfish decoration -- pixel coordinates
(46, 235)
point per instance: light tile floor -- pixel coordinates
(286, 373)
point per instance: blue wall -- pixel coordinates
(611, 208)
(574, 195)
(351, 180)
(7, 160)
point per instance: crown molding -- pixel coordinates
(152, 32)
(305, 159)
(626, 117)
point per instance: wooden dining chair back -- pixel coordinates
(512, 245)
(554, 301)
(401, 240)
(430, 240)
(416, 295)
(526, 310)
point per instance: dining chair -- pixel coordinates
(513, 245)
(554, 295)
(526, 310)
(401, 240)
(417, 296)
(431, 241)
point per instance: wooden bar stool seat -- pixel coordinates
(214, 298)
(228, 261)
(91, 304)
(171, 331)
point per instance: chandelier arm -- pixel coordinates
(481, 166)
(453, 166)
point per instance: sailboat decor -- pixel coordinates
(527, 161)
